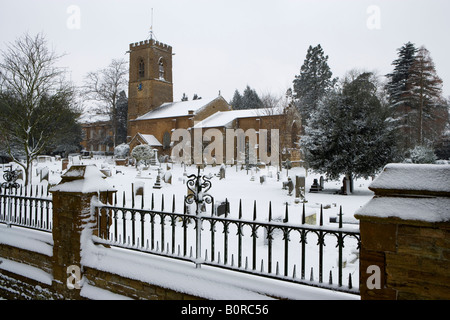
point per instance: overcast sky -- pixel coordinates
(228, 44)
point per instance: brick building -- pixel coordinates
(153, 115)
(97, 133)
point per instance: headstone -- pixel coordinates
(262, 179)
(300, 187)
(290, 186)
(345, 190)
(138, 187)
(157, 184)
(222, 208)
(106, 172)
(64, 163)
(76, 160)
(222, 172)
(168, 177)
(315, 187)
(44, 174)
(321, 183)
(252, 178)
(155, 156)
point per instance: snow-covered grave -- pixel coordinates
(237, 186)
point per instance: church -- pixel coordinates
(153, 115)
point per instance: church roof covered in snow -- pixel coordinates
(147, 139)
(178, 109)
(225, 118)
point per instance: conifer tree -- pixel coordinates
(399, 93)
(236, 102)
(426, 88)
(313, 82)
(349, 133)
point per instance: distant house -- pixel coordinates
(97, 133)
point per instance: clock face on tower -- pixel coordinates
(140, 86)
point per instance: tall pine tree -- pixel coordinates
(313, 82)
(426, 88)
(350, 134)
(248, 100)
(400, 96)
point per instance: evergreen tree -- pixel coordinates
(236, 102)
(250, 99)
(414, 91)
(313, 82)
(122, 117)
(426, 88)
(399, 93)
(350, 133)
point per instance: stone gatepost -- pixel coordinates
(71, 215)
(405, 234)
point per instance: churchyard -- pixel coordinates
(264, 189)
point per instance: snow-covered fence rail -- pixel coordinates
(276, 248)
(26, 207)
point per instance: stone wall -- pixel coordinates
(131, 288)
(405, 235)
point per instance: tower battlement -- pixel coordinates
(150, 43)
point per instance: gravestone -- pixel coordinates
(290, 186)
(315, 187)
(262, 179)
(345, 189)
(64, 164)
(321, 183)
(138, 188)
(107, 172)
(44, 174)
(299, 187)
(168, 177)
(157, 184)
(222, 208)
(222, 172)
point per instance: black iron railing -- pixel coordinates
(277, 248)
(25, 207)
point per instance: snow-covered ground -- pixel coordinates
(237, 186)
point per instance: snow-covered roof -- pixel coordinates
(178, 109)
(224, 118)
(92, 117)
(149, 139)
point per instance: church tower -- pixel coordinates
(150, 77)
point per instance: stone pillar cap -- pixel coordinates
(83, 179)
(413, 179)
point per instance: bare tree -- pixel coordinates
(33, 97)
(104, 86)
(282, 114)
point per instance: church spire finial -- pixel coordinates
(152, 34)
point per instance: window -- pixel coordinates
(161, 68)
(141, 69)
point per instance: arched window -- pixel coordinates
(161, 68)
(141, 69)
